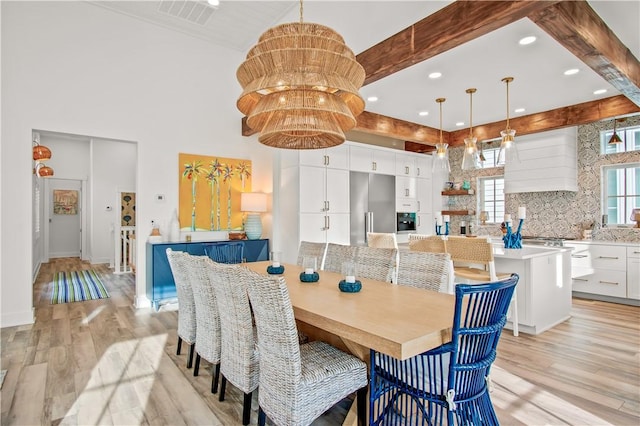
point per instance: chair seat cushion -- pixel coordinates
(477, 274)
(321, 362)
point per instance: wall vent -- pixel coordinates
(195, 12)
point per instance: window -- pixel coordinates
(620, 192)
(491, 197)
(630, 140)
(491, 158)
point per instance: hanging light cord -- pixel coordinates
(507, 80)
(471, 92)
(301, 9)
(440, 101)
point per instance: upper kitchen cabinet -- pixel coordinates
(372, 160)
(548, 162)
(336, 157)
(423, 166)
(405, 165)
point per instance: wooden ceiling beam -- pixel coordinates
(369, 122)
(574, 115)
(451, 26)
(577, 27)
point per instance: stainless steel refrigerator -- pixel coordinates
(373, 205)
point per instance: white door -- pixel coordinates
(65, 201)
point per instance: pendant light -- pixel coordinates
(441, 156)
(615, 139)
(40, 154)
(470, 157)
(300, 86)
(508, 151)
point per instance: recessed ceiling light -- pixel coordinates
(214, 2)
(460, 123)
(600, 91)
(423, 113)
(572, 71)
(519, 110)
(527, 40)
(372, 98)
(435, 75)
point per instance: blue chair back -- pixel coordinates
(448, 384)
(225, 252)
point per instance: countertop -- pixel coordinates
(526, 252)
(603, 243)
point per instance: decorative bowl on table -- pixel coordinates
(350, 287)
(309, 278)
(237, 235)
(275, 270)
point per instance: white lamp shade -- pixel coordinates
(253, 202)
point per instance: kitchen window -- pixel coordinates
(490, 157)
(620, 192)
(630, 140)
(491, 197)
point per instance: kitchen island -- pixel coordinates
(544, 288)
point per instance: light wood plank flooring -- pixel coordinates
(104, 362)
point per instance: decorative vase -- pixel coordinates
(174, 227)
(253, 226)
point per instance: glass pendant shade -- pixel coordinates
(441, 158)
(470, 159)
(508, 150)
(441, 155)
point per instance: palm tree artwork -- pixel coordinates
(227, 175)
(191, 172)
(206, 185)
(244, 171)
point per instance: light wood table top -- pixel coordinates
(396, 320)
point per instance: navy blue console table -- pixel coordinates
(160, 283)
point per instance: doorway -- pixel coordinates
(64, 215)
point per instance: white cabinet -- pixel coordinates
(424, 199)
(336, 157)
(405, 187)
(323, 190)
(633, 272)
(424, 166)
(599, 269)
(548, 162)
(405, 165)
(321, 228)
(372, 160)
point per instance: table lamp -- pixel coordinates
(253, 203)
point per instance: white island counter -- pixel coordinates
(544, 288)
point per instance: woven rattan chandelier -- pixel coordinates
(300, 86)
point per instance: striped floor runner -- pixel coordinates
(76, 286)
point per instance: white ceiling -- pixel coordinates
(539, 83)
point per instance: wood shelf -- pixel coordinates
(458, 212)
(458, 192)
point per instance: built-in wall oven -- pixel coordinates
(405, 222)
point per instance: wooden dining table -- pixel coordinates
(392, 319)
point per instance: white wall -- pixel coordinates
(76, 68)
(113, 167)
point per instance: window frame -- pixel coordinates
(627, 136)
(604, 196)
(495, 213)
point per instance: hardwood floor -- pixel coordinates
(104, 362)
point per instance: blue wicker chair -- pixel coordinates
(449, 384)
(225, 252)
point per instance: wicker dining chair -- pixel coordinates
(308, 249)
(382, 240)
(232, 252)
(298, 382)
(239, 360)
(469, 253)
(431, 271)
(208, 338)
(376, 263)
(186, 303)
(428, 243)
(336, 255)
(451, 383)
